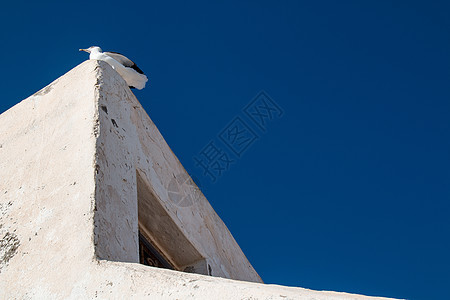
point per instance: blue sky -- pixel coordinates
(349, 189)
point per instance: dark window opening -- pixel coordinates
(149, 256)
(162, 243)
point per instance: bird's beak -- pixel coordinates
(85, 50)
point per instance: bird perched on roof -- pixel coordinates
(126, 68)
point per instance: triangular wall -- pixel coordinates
(83, 170)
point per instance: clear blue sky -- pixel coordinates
(349, 189)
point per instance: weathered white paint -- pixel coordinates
(69, 159)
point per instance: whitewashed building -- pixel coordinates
(94, 204)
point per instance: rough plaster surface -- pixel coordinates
(69, 159)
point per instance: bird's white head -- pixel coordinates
(92, 49)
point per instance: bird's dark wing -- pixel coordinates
(124, 61)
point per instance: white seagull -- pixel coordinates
(126, 68)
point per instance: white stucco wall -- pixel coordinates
(68, 202)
